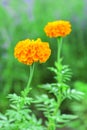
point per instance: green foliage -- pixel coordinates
(50, 106)
(80, 108)
(65, 74)
(47, 106)
(19, 116)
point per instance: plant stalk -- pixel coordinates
(59, 40)
(27, 89)
(52, 123)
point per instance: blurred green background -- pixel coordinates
(21, 19)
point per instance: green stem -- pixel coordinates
(59, 40)
(31, 75)
(59, 98)
(59, 101)
(24, 94)
(26, 90)
(52, 123)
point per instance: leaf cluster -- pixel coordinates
(49, 105)
(19, 116)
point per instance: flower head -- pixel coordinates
(58, 28)
(29, 51)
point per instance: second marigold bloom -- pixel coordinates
(29, 51)
(58, 28)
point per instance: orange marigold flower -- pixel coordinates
(29, 51)
(58, 28)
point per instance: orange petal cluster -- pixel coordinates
(58, 28)
(30, 51)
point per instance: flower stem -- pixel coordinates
(59, 97)
(59, 40)
(28, 88)
(31, 75)
(59, 70)
(52, 123)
